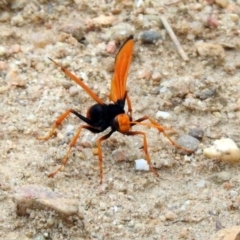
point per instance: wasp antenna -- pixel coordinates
(59, 65)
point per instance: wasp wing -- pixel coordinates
(122, 63)
(79, 82)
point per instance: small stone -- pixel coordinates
(69, 128)
(196, 132)
(221, 177)
(32, 118)
(141, 164)
(224, 150)
(156, 77)
(188, 142)
(101, 20)
(3, 89)
(230, 68)
(201, 184)
(17, 20)
(111, 47)
(210, 50)
(16, 48)
(234, 17)
(39, 237)
(108, 64)
(206, 93)
(171, 216)
(144, 74)
(3, 65)
(211, 22)
(119, 156)
(231, 233)
(197, 28)
(40, 40)
(2, 51)
(14, 79)
(38, 197)
(150, 37)
(4, 16)
(163, 115)
(184, 233)
(222, 3)
(73, 90)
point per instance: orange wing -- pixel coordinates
(122, 63)
(79, 82)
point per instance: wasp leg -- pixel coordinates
(100, 161)
(72, 144)
(145, 148)
(60, 120)
(160, 129)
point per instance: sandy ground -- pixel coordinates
(194, 197)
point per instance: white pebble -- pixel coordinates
(73, 90)
(224, 149)
(69, 128)
(163, 115)
(141, 164)
(222, 3)
(201, 184)
(2, 51)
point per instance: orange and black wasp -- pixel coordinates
(111, 115)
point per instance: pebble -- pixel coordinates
(222, 3)
(156, 76)
(40, 40)
(120, 32)
(3, 89)
(150, 37)
(163, 115)
(14, 79)
(101, 20)
(210, 50)
(37, 197)
(206, 93)
(108, 64)
(17, 20)
(111, 47)
(196, 132)
(230, 68)
(73, 90)
(3, 51)
(144, 74)
(184, 233)
(75, 29)
(119, 155)
(197, 28)
(16, 48)
(224, 150)
(211, 22)
(171, 216)
(39, 237)
(221, 177)
(3, 65)
(231, 233)
(188, 142)
(141, 164)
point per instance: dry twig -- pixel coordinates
(174, 38)
(173, 2)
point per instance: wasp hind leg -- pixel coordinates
(161, 129)
(100, 161)
(145, 148)
(72, 144)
